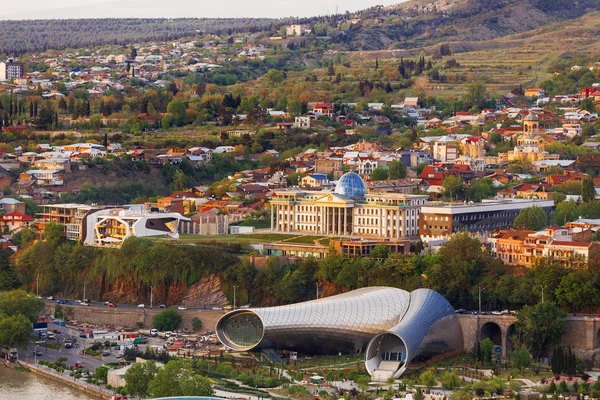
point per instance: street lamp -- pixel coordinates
(543, 287)
(37, 285)
(84, 285)
(234, 292)
(36, 347)
(151, 290)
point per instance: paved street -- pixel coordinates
(72, 354)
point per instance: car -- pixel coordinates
(106, 303)
(217, 308)
(119, 355)
(111, 305)
(78, 365)
(182, 308)
(85, 304)
(460, 311)
(40, 342)
(141, 306)
(106, 353)
(37, 353)
(85, 375)
(50, 298)
(497, 313)
(77, 301)
(162, 306)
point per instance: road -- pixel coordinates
(72, 354)
(126, 306)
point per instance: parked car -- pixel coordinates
(78, 365)
(162, 306)
(50, 298)
(85, 375)
(182, 308)
(141, 306)
(111, 304)
(85, 304)
(37, 353)
(106, 353)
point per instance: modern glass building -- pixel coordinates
(395, 327)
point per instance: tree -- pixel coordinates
(450, 380)
(180, 183)
(452, 186)
(487, 349)
(19, 302)
(588, 190)
(196, 324)
(176, 108)
(427, 378)
(101, 373)
(134, 53)
(379, 174)
(541, 326)
(397, 170)
(167, 320)
(274, 77)
(533, 218)
(521, 358)
(138, 378)
(177, 378)
(475, 95)
(14, 330)
(294, 108)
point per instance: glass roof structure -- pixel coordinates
(351, 185)
(398, 326)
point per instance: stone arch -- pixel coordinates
(511, 336)
(492, 331)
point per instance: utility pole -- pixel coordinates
(151, 290)
(480, 289)
(234, 293)
(37, 285)
(543, 287)
(84, 285)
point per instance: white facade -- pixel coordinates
(386, 215)
(112, 226)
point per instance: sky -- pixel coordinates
(48, 9)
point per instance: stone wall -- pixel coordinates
(129, 317)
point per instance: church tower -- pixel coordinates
(531, 123)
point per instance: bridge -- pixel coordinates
(583, 332)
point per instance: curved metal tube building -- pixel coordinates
(397, 325)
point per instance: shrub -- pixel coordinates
(167, 320)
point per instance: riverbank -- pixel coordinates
(69, 381)
(17, 383)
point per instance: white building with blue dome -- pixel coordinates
(348, 211)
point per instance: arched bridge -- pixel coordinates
(583, 332)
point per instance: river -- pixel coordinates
(26, 385)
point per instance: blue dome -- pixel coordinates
(351, 185)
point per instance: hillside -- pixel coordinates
(419, 23)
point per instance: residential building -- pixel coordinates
(43, 177)
(348, 211)
(302, 122)
(208, 222)
(525, 248)
(9, 205)
(440, 221)
(15, 221)
(109, 227)
(314, 181)
(11, 70)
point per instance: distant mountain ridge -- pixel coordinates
(410, 25)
